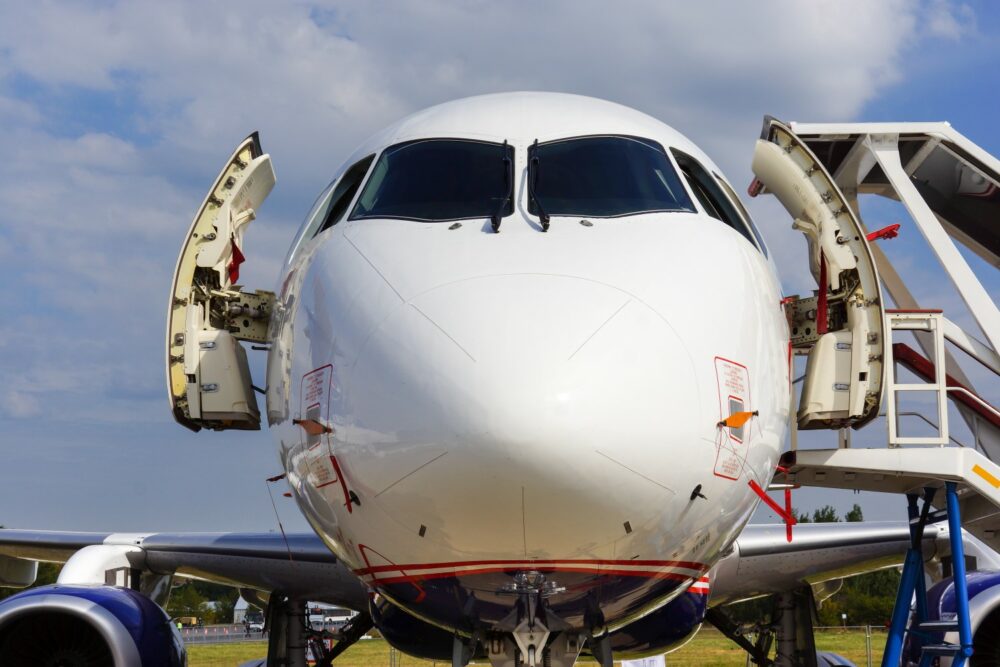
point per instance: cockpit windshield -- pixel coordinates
(439, 179)
(603, 176)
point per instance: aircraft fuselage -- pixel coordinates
(457, 408)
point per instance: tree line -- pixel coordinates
(867, 599)
(212, 603)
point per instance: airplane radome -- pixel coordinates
(528, 370)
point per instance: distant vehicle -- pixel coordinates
(188, 621)
(256, 626)
(337, 622)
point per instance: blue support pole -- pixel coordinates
(912, 568)
(958, 570)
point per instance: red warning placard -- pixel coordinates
(322, 471)
(732, 443)
(315, 395)
(314, 403)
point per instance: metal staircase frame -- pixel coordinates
(875, 148)
(912, 587)
(866, 158)
(917, 320)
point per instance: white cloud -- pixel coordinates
(96, 216)
(949, 22)
(19, 405)
(710, 68)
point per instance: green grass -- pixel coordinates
(708, 649)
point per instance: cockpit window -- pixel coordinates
(603, 177)
(439, 179)
(330, 205)
(743, 212)
(346, 188)
(710, 194)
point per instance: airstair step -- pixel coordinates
(942, 649)
(938, 626)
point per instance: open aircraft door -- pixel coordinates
(208, 378)
(842, 326)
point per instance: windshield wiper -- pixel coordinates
(543, 217)
(508, 177)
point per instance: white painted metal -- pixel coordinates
(827, 387)
(897, 470)
(844, 374)
(202, 292)
(90, 564)
(17, 573)
(223, 381)
(985, 438)
(910, 470)
(832, 130)
(986, 406)
(971, 345)
(934, 130)
(885, 149)
(931, 323)
(877, 143)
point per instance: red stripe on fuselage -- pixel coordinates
(538, 564)
(645, 574)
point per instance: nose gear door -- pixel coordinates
(842, 326)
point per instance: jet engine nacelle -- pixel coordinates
(665, 628)
(984, 612)
(93, 625)
(409, 634)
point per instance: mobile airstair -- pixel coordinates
(860, 364)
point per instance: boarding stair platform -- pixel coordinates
(951, 189)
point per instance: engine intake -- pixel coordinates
(87, 626)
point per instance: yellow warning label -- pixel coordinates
(985, 474)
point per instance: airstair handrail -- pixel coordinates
(977, 399)
(930, 423)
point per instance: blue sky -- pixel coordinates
(116, 116)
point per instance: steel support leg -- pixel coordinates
(296, 634)
(784, 605)
(901, 610)
(913, 568)
(958, 570)
(917, 523)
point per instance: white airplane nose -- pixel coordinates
(510, 431)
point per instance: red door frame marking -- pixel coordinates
(520, 564)
(421, 593)
(343, 484)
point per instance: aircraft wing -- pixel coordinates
(763, 562)
(301, 566)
